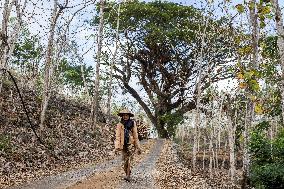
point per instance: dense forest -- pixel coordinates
(206, 75)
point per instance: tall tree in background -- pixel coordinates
(253, 65)
(280, 44)
(113, 60)
(203, 72)
(160, 52)
(95, 104)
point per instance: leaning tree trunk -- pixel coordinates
(95, 104)
(280, 44)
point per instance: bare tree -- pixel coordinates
(112, 65)
(202, 75)
(95, 104)
(49, 67)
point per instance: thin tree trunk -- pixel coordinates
(280, 44)
(231, 133)
(182, 134)
(111, 67)
(4, 46)
(198, 96)
(7, 42)
(215, 147)
(211, 153)
(16, 32)
(225, 153)
(246, 159)
(204, 153)
(250, 105)
(48, 63)
(95, 104)
(195, 135)
(213, 156)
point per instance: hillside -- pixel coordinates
(69, 141)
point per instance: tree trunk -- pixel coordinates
(95, 104)
(250, 105)
(195, 138)
(198, 96)
(111, 67)
(204, 153)
(216, 147)
(86, 91)
(4, 38)
(210, 150)
(280, 44)
(224, 155)
(7, 41)
(246, 158)
(48, 64)
(231, 133)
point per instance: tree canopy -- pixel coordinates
(166, 46)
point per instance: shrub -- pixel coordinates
(267, 176)
(267, 156)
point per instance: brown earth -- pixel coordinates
(111, 179)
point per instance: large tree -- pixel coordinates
(160, 47)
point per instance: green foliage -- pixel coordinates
(269, 176)
(27, 52)
(272, 103)
(278, 148)
(249, 79)
(72, 74)
(267, 170)
(263, 8)
(240, 8)
(269, 47)
(162, 40)
(260, 146)
(155, 22)
(172, 120)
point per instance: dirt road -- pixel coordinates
(157, 167)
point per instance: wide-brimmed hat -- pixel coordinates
(125, 111)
